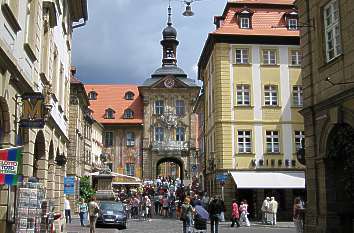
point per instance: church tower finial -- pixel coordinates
(169, 22)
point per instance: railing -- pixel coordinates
(170, 146)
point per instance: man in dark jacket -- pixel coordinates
(216, 206)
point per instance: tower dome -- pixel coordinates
(169, 32)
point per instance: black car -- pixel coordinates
(112, 214)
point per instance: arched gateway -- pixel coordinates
(172, 167)
(169, 96)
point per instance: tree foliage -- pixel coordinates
(86, 190)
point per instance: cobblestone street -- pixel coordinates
(174, 226)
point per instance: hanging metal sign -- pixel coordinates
(32, 110)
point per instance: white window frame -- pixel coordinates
(295, 56)
(159, 134)
(128, 114)
(241, 55)
(130, 169)
(180, 107)
(108, 139)
(299, 136)
(109, 114)
(332, 30)
(180, 134)
(243, 95)
(245, 22)
(130, 137)
(272, 141)
(271, 95)
(297, 96)
(159, 107)
(92, 95)
(244, 141)
(292, 24)
(269, 56)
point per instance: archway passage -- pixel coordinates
(340, 176)
(39, 154)
(170, 166)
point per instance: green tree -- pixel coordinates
(86, 190)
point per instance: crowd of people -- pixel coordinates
(168, 198)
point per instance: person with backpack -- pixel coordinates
(186, 215)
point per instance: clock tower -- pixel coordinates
(169, 124)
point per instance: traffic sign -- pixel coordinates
(221, 177)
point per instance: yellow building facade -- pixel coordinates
(253, 94)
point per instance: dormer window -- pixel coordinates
(128, 114)
(291, 19)
(244, 17)
(244, 22)
(292, 24)
(109, 114)
(92, 95)
(129, 95)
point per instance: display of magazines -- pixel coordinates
(31, 207)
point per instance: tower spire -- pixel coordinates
(169, 22)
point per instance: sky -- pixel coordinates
(121, 41)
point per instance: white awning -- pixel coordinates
(269, 180)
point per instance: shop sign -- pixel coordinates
(8, 167)
(9, 161)
(32, 110)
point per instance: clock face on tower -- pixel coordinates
(169, 83)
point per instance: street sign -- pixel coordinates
(69, 185)
(194, 168)
(222, 177)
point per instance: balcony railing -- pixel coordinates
(170, 146)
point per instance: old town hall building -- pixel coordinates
(169, 125)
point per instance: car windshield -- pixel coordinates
(111, 206)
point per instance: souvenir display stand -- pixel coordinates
(31, 208)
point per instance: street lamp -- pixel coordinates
(188, 11)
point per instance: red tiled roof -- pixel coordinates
(112, 96)
(265, 21)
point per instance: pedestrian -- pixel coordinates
(67, 210)
(297, 218)
(273, 208)
(264, 209)
(201, 217)
(186, 215)
(94, 209)
(157, 203)
(165, 205)
(215, 209)
(235, 214)
(244, 213)
(83, 209)
(147, 208)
